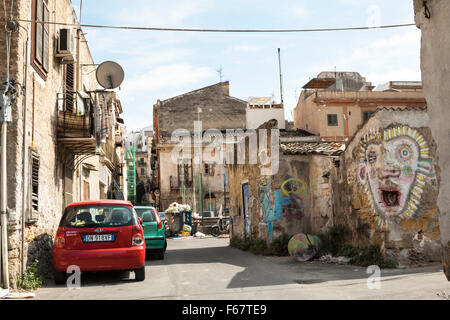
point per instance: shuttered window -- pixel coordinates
(35, 163)
(69, 87)
(40, 37)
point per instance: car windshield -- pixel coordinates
(146, 214)
(98, 216)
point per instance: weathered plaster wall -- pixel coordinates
(387, 187)
(295, 200)
(435, 65)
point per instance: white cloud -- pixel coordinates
(141, 92)
(393, 58)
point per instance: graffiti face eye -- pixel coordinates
(372, 157)
(404, 153)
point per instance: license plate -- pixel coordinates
(98, 238)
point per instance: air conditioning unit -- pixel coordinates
(65, 46)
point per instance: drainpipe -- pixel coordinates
(24, 156)
(3, 171)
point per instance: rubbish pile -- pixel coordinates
(179, 219)
(328, 258)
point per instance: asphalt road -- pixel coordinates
(209, 269)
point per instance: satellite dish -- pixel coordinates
(110, 75)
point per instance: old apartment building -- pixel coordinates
(61, 143)
(335, 104)
(263, 109)
(141, 142)
(199, 184)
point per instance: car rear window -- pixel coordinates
(98, 216)
(146, 214)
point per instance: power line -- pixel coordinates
(219, 30)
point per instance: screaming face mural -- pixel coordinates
(394, 166)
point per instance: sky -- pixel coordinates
(160, 65)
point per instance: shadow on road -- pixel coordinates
(271, 271)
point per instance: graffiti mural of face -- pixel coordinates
(393, 169)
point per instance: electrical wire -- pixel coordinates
(219, 30)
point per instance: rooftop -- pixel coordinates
(324, 148)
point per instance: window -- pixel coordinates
(69, 87)
(86, 191)
(40, 38)
(332, 120)
(142, 172)
(209, 169)
(367, 115)
(185, 172)
(35, 163)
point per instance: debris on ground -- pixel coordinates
(443, 295)
(200, 235)
(330, 259)
(19, 295)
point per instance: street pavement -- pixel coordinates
(208, 268)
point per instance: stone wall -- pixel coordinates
(41, 136)
(435, 65)
(297, 199)
(218, 110)
(387, 187)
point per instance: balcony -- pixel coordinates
(76, 123)
(119, 140)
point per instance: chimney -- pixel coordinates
(225, 88)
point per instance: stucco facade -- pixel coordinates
(215, 109)
(348, 107)
(435, 65)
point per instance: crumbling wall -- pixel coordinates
(387, 188)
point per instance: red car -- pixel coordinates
(99, 236)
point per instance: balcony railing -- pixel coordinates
(76, 123)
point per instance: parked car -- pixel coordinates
(154, 230)
(99, 236)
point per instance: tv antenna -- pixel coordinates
(110, 75)
(220, 72)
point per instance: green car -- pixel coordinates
(154, 231)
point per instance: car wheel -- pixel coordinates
(59, 276)
(161, 255)
(215, 231)
(140, 274)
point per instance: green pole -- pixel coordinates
(200, 193)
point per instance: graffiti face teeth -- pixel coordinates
(391, 198)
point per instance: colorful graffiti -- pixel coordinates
(304, 247)
(288, 202)
(271, 205)
(294, 193)
(395, 164)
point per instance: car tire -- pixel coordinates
(59, 276)
(215, 231)
(139, 274)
